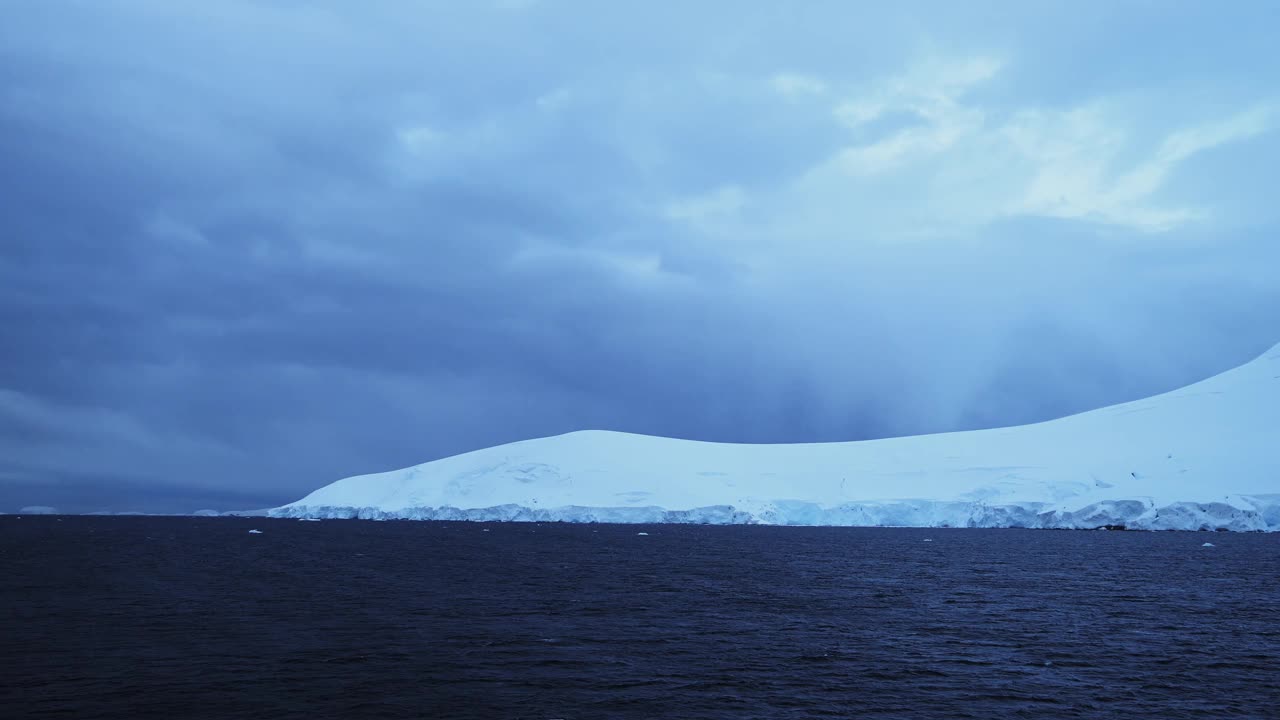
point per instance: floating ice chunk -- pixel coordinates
(309, 519)
(1208, 545)
(642, 533)
(484, 530)
(255, 532)
(928, 539)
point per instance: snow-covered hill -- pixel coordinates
(1206, 456)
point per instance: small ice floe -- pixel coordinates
(642, 533)
(255, 532)
(484, 529)
(1208, 545)
(928, 539)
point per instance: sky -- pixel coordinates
(249, 248)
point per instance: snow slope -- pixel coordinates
(1206, 456)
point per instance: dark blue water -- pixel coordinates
(194, 617)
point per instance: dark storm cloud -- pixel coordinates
(249, 248)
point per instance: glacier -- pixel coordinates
(1203, 457)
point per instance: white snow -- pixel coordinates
(1206, 456)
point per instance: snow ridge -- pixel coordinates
(1202, 457)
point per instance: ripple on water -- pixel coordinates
(164, 617)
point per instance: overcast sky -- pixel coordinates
(248, 248)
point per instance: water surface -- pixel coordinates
(196, 617)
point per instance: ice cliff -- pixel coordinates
(1206, 456)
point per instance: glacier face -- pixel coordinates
(1206, 456)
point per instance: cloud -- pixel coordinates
(250, 248)
(796, 85)
(1075, 155)
(420, 139)
(704, 209)
(106, 439)
(954, 163)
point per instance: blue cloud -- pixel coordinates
(251, 247)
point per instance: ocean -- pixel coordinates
(154, 617)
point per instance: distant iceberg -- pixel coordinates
(1204, 457)
(38, 510)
